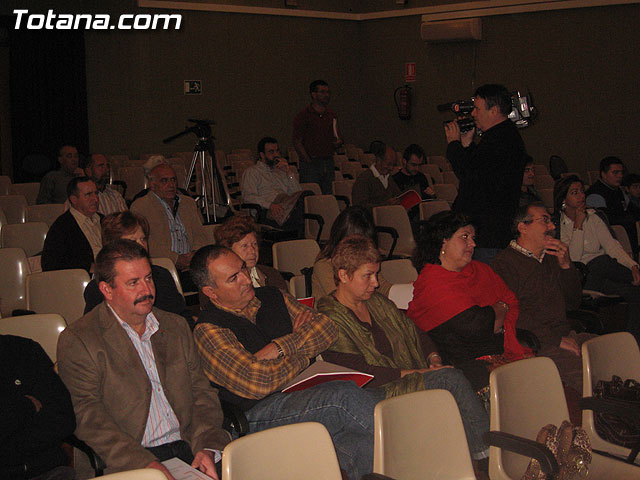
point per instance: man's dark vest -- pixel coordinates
(272, 321)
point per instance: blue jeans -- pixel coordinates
(474, 417)
(342, 407)
(319, 170)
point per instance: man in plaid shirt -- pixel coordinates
(254, 341)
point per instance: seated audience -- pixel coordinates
(130, 226)
(631, 190)
(271, 183)
(537, 268)
(152, 162)
(410, 177)
(465, 306)
(35, 414)
(174, 219)
(240, 234)
(74, 239)
(375, 187)
(99, 170)
(528, 194)
(129, 365)
(609, 269)
(53, 186)
(607, 195)
(253, 342)
(351, 221)
(377, 338)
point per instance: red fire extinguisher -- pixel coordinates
(402, 97)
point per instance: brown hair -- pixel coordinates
(234, 230)
(351, 253)
(115, 225)
(126, 250)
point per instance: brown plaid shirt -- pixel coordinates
(227, 363)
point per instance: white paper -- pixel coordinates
(183, 471)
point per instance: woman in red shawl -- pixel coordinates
(465, 306)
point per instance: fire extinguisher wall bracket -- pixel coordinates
(402, 97)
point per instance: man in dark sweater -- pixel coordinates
(490, 172)
(537, 268)
(253, 342)
(606, 194)
(409, 177)
(375, 186)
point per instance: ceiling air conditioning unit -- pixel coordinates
(463, 30)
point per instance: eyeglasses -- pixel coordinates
(544, 219)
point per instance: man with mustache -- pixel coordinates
(537, 268)
(134, 375)
(254, 341)
(99, 170)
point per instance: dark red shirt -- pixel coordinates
(315, 130)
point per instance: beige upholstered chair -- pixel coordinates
(14, 207)
(47, 213)
(394, 216)
(420, 435)
(429, 209)
(46, 295)
(327, 207)
(292, 452)
(43, 328)
(28, 236)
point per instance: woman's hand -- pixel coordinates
(581, 215)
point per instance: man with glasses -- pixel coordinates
(537, 268)
(410, 177)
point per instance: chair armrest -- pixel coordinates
(528, 338)
(95, 460)
(234, 418)
(343, 198)
(618, 408)
(523, 446)
(121, 183)
(394, 234)
(318, 218)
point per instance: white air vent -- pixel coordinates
(452, 30)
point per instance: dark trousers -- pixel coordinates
(319, 170)
(606, 275)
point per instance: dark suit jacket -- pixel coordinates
(31, 441)
(66, 246)
(111, 391)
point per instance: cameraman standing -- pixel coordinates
(490, 171)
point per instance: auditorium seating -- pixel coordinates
(432, 171)
(445, 191)
(29, 190)
(430, 208)
(394, 216)
(47, 213)
(14, 208)
(44, 329)
(29, 236)
(14, 270)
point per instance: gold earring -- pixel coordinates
(442, 252)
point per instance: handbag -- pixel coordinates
(618, 429)
(571, 447)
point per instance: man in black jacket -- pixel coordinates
(490, 172)
(35, 413)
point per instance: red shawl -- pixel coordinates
(439, 295)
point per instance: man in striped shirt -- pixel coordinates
(134, 375)
(99, 170)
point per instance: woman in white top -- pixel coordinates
(609, 268)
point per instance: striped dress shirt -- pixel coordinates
(179, 239)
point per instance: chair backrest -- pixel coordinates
(433, 171)
(300, 450)
(14, 207)
(344, 188)
(601, 359)
(525, 396)
(47, 213)
(29, 190)
(546, 194)
(171, 267)
(43, 328)
(140, 474)
(543, 181)
(5, 184)
(209, 231)
(312, 187)
(134, 178)
(28, 236)
(429, 209)
(439, 160)
(623, 238)
(450, 177)
(325, 206)
(45, 295)
(297, 286)
(406, 444)
(293, 255)
(14, 269)
(446, 191)
(398, 271)
(401, 294)
(394, 216)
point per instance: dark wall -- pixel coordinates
(581, 65)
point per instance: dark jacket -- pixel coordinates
(66, 246)
(490, 175)
(31, 441)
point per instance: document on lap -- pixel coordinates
(322, 372)
(183, 471)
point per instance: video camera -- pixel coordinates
(523, 113)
